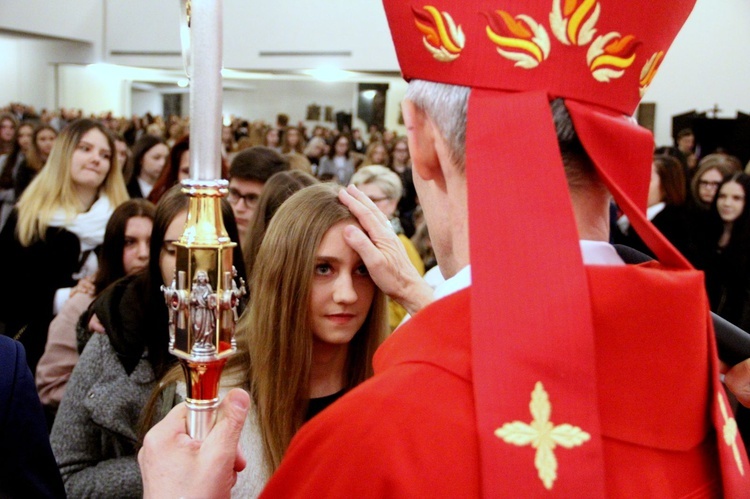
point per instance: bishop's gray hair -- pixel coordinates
(446, 105)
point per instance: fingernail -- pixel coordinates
(238, 400)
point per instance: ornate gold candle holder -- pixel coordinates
(202, 301)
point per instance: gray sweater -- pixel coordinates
(95, 432)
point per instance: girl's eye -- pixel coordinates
(170, 248)
(362, 270)
(129, 241)
(323, 269)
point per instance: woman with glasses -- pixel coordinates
(711, 170)
(703, 188)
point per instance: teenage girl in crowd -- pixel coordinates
(9, 165)
(727, 262)
(40, 148)
(176, 170)
(665, 209)
(338, 165)
(50, 239)
(313, 324)
(125, 251)
(95, 434)
(727, 251)
(8, 127)
(149, 157)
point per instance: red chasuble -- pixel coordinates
(411, 430)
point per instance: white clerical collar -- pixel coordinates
(593, 253)
(461, 280)
(599, 253)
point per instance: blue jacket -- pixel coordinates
(27, 466)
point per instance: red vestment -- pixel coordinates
(411, 430)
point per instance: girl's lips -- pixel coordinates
(340, 318)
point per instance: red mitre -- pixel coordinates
(531, 320)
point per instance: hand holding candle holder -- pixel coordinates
(202, 317)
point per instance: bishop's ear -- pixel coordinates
(421, 134)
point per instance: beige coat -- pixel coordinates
(61, 352)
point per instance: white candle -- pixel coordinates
(205, 89)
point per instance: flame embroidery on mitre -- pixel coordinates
(649, 71)
(609, 55)
(573, 22)
(519, 39)
(441, 37)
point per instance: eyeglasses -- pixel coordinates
(250, 200)
(708, 183)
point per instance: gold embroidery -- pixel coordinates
(574, 23)
(520, 38)
(730, 433)
(542, 435)
(649, 71)
(442, 37)
(609, 56)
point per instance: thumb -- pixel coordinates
(231, 418)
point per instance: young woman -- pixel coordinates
(401, 164)
(50, 239)
(728, 251)
(376, 154)
(293, 141)
(40, 148)
(8, 127)
(95, 434)
(176, 170)
(665, 209)
(125, 251)
(271, 138)
(149, 157)
(711, 170)
(9, 165)
(338, 164)
(313, 324)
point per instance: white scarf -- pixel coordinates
(88, 226)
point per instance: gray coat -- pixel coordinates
(94, 437)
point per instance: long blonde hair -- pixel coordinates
(274, 335)
(53, 189)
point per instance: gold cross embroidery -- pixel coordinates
(542, 435)
(730, 433)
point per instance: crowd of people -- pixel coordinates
(332, 234)
(91, 209)
(701, 210)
